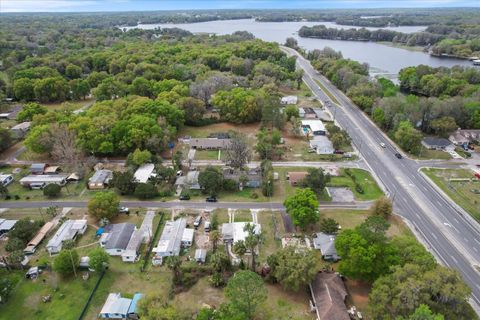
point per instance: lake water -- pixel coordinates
(382, 59)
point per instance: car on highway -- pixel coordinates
(383, 145)
(398, 155)
(211, 199)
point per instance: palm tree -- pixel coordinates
(239, 249)
(215, 237)
(252, 240)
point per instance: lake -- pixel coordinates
(383, 59)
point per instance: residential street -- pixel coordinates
(449, 233)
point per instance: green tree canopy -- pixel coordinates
(303, 207)
(66, 262)
(29, 110)
(98, 259)
(316, 180)
(103, 205)
(210, 180)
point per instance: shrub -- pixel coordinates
(359, 188)
(230, 185)
(146, 191)
(254, 195)
(52, 190)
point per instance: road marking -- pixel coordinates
(439, 203)
(433, 234)
(465, 239)
(447, 224)
(476, 240)
(474, 248)
(456, 220)
(454, 259)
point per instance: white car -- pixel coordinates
(383, 145)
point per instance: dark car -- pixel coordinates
(398, 155)
(211, 199)
(184, 197)
(339, 152)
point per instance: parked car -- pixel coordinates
(179, 173)
(184, 197)
(211, 199)
(398, 155)
(123, 210)
(383, 145)
(197, 222)
(207, 226)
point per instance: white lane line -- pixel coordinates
(474, 248)
(456, 220)
(476, 240)
(439, 203)
(433, 235)
(454, 259)
(465, 239)
(424, 188)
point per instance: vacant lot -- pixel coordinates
(371, 190)
(460, 185)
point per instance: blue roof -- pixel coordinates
(99, 231)
(133, 306)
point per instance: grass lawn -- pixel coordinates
(206, 155)
(460, 185)
(371, 190)
(243, 215)
(273, 229)
(204, 131)
(426, 154)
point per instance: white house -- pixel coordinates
(67, 231)
(187, 237)
(235, 231)
(313, 127)
(289, 100)
(144, 172)
(171, 240)
(29, 180)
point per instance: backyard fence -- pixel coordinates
(91, 296)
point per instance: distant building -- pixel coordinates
(38, 168)
(189, 181)
(115, 238)
(322, 145)
(209, 143)
(313, 127)
(289, 100)
(100, 179)
(329, 293)
(254, 176)
(433, 143)
(6, 225)
(234, 231)
(144, 173)
(464, 137)
(307, 113)
(171, 240)
(67, 231)
(296, 177)
(116, 307)
(326, 244)
(21, 129)
(31, 180)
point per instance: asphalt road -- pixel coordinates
(448, 232)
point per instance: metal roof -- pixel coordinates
(144, 172)
(67, 231)
(101, 176)
(171, 238)
(53, 178)
(115, 304)
(6, 225)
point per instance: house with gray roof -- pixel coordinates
(69, 230)
(254, 176)
(464, 136)
(116, 237)
(170, 242)
(189, 181)
(433, 143)
(322, 145)
(326, 244)
(100, 179)
(139, 236)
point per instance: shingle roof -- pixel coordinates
(325, 243)
(119, 235)
(101, 176)
(329, 294)
(440, 142)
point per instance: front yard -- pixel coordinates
(460, 185)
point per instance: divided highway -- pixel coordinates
(447, 231)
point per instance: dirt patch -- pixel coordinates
(288, 223)
(357, 294)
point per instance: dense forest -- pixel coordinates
(428, 100)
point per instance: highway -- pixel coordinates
(446, 230)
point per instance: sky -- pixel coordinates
(147, 5)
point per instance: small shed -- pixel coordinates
(200, 255)
(38, 168)
(21, 129)
(6, 225)
(187, 237)
(296, 177)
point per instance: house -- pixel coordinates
(289, 100)
(235, 231)
(433, 143)
(190, 181)
(115, 238)
(6, 179)
(209, 143)
(142, 235)
(170, 241)
(307, 113)
(322, 145)
(116, 307)
(21, 129)
(296, 177)
(12, 115)
(326, 244)
(32, 245)
(52, 170)
(6, 225)
(200, 255)
(254, 176)
(67, 231)
(187, 237)
(328, 294)
(464, 137)
(100, 179)
(44, 180)
(144, 172)
(313, 127)
(38, 168)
